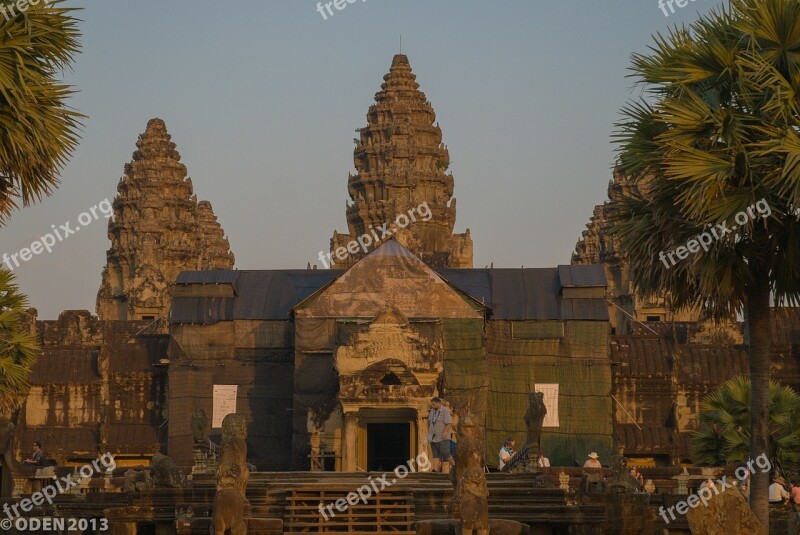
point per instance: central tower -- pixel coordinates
(401, 166)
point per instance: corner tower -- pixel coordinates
(401, 165)
(158, 230)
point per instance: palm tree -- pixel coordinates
(38, 131)
(724, 433)
(18, 347)
(718, 133)
(37, 134)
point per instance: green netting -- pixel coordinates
(584, 402)
(519, 373)
(465, 334)
(588, 338)
(466, 377)
(535, 330)
(500, 341)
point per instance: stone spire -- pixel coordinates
(599, 245)
(158, 230)
(401, 164)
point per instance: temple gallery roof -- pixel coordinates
(560, 293)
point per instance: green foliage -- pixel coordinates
(718, 131)
(724, 434)
(38, 131)
(18, 347)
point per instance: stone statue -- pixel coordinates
(137, 481)
(230, 504)
(200, 426)
(471, 492)
(621, 479)
(527, 458)
(534, 417)
(166, 473)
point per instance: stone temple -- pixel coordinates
(158, 230)
(333, 369)
(401, 163)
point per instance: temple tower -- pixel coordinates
(158, 230)
(401, 166)
(599, 245)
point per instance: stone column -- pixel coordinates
(350, 441)
(317, 461)
(422, 431)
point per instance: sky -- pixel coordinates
(262, 98)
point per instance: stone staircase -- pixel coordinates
(293, 499)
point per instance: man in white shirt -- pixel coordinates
(440, 428)
(544, 462)
(777, 493)
(506, 453)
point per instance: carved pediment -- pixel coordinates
(388, 338)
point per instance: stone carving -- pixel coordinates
(203, 451)
(158, 230)
(137, 480)
(534, 417)
(727, 512)
(401, 163)
(165, 472)
(471, 491)
(527, 458)
(621, 479)
(200, 427)
(231, 507)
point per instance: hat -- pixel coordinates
(780, 480)
(593, 455)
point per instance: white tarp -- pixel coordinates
(225, 403)
(550, 392)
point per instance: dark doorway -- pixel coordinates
(387, 446)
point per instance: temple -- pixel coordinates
(401, 164)
(331, 371)
(158, 230)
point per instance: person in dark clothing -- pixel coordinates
(37, 457)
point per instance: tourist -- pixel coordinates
(37, 457)
(593, 461)
(544, 462)
(506, 453)
(795, 494)
(777, 493)
(637, 479)
(440, 429)
(453, 443)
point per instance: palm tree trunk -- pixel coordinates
(758, 321)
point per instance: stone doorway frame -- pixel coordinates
(356, 418)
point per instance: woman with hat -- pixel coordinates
(593, 461)
(777, 493)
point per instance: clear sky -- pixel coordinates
(262, 98)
